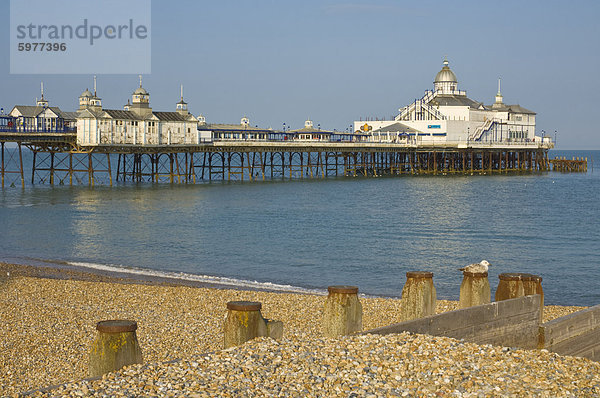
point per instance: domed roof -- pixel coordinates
(140, 90)
(87, 93)
(445, 75)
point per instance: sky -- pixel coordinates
(338, 61)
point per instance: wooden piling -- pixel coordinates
(115, 346)
(574, 165)
(510, 286)
(342, 313)
(474, 290)
(245, 322)
(532, 284)
(419, 296)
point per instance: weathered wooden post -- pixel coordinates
(518, 284)
(342, 314)
(116, 345)
(419, 297)
(510, 286)
(474, 289)
(245, 322)
(532, 284)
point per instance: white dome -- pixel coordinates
(141, 91)
(445, 75)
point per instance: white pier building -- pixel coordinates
(446, 115)
(136, 124)
(42, 117)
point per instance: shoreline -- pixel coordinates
(64, 271)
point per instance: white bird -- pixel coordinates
(477, 268)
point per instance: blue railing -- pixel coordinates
(10, 124)
(27, 129)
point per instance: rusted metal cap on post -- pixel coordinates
(116, 326)
(244, 306)
(475, 274)
(511, 276)
(419, 275)
(343, 289)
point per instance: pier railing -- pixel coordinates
(58, 159)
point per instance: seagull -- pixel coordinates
(477, 268)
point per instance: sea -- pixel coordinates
(304, 235)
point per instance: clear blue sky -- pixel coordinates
(337, 61)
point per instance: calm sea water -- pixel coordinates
(309, 234)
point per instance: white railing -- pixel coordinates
(424, 104)
(482, 129)
(421, 103)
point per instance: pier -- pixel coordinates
(58, 160)
(565, 165)
(443, 133)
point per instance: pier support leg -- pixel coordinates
(109, 169)
(90, 170)
(21, 165)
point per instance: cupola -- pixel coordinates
(445, 80)
(42, 101)
(181, 106)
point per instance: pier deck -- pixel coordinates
(58, 159)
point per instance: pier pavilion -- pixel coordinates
(447, 115)
(137, 124)
(42, 117)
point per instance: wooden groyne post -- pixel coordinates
(245, 322)
(474, 290)
(519, 284)
(116, 345)
(510, 286)
(419, 297)
(342, 314)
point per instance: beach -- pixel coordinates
(49, 319)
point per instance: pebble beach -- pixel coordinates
(49, 317)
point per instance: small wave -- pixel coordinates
(216, 280)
